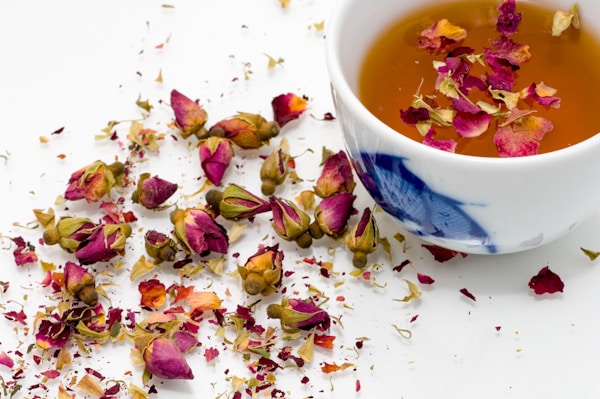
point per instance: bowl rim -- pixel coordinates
(342, 87)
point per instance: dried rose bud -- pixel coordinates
(287, 107)
(298, 314)
(151, 192)
(190, 117)
(163, 359)
(363, 238)
(80, 283)
(262, 272)
(246, 130)
(332, 214)
(290, 222)
(274, 170)
(94, 181)
(160, 247)
(198, 232)
(106, 242)
(215, 156)
(336, 176)
(69, 232)
(235, 202)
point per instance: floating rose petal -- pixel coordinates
(287, 107)
(522, 137)
(562, 20)
(440, 35)
(510, 51)
(509, 18)
(542, 94)
(546, 281)
(444, 145)
(412, 115)
(471, 125)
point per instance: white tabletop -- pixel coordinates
(72, 67)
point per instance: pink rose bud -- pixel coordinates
(106, 242)
(94, 181)
(262, 272)
(215, 156)
(363, 238)
(249, 131)
(298, 314)
(336, 176)
(69, 232)
(160, 247)
(235, 203)
(190, 117)
(198, 232)
(332, 214)
(163, 359)
(287, 107)
(274, 170)
(80, 283)
(151, 192)
(290, 222)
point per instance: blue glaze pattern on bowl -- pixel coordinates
(424, 212)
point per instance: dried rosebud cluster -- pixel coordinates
(164, 338)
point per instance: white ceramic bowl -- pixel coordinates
(466, 203)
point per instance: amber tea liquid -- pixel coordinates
(394, 67)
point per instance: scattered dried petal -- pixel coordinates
(546, 281)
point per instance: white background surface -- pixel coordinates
(79, 65)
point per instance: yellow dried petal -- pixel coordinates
(90, 386)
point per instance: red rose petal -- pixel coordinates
(546, 281)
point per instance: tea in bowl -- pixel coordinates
(471, 123)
